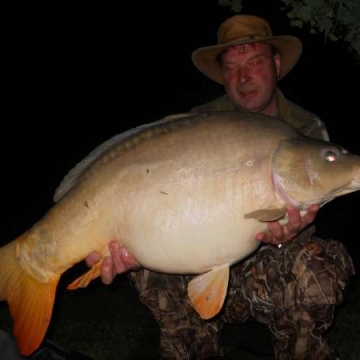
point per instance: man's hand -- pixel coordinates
(278, 234)
(119, 262)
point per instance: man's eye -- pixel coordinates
(229, 67)
(255, 62)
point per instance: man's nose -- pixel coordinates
(243, 76)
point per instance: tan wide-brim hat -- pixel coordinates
(244, 29)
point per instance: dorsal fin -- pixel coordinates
(76, 172)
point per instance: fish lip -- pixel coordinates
(355, 183)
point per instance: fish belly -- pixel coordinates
(189, 226)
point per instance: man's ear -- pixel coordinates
(278, 64)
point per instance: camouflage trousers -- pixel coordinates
(293, 290)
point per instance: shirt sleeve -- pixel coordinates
(316, 130)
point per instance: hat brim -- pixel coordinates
(206, 58)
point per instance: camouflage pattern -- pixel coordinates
(183, 334)
(292, 289)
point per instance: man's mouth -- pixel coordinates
(247, 93)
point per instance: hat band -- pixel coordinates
(245, 38)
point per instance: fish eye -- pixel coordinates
(331, 156)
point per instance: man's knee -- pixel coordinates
(322, 270)
(298, 333)
(305, 272)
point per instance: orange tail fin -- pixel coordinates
(30, 301)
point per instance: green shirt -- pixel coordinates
(304, 121)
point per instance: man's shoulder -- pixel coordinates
(307, 122)
(300, 114)
(303, 120)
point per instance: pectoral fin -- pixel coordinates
(85, 279)
(207, 291)
(267, 214)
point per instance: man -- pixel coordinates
(291, 286)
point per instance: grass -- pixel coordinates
(110, 323)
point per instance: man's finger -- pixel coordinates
(295, 221)
(311, 214)
(118, 263)
(107, 271)
(128, 260)
(276, 229)
(92, 258)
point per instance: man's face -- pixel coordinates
(250, 76)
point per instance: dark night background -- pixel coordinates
(73, 76)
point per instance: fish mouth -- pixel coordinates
(355, 183)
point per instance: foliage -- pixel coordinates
(336, 19)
